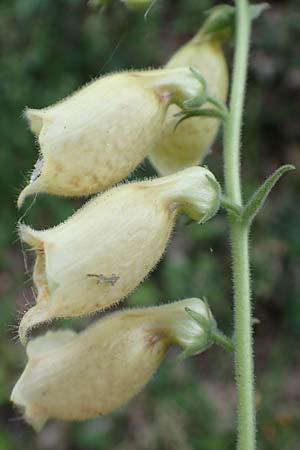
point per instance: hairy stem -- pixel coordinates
(243, 337)
(239, 236)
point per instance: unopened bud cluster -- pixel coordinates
(97, 257)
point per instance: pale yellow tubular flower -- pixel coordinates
(190, 142)
(99, 135)
(79, 376)
(102, 252)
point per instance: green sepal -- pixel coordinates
(198, 75)
(259, 197)
(220, 23)
(205, 341)
(193, 106)
(205, 112)
(202, 344)
(195, 102)
(204, 323)
(212, 335)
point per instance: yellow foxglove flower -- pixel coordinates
(189, 143)
(99, 135)
(102, 253)
(73, 376)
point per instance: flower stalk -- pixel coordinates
(239, 234)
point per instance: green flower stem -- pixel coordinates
(230, 206)
(243, 336)
(239, 233)
(222, 340)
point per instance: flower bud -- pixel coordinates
(101, 253)
(189, 143)
(99, 135)
(73, 376)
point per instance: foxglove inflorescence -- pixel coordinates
(88, 142)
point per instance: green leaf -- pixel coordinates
(258, 198)
(257, 9)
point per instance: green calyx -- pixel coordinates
(203, 105)
(220, 22)
(211, 336)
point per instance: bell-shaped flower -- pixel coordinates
(99, 135)
(73, 376)
(106, 249)
(188, 144)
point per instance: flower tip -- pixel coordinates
(28, 190)
(34, 119)
(34, 317)
(37, 422)
(28, 235)
(18, 399)
(22, 196)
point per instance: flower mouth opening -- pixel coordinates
(39, 313)
(26, 408)
(36, 122)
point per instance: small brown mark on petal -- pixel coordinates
(58, 167)
(174, 207)
(152, 340)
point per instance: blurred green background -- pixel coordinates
(49, 48)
